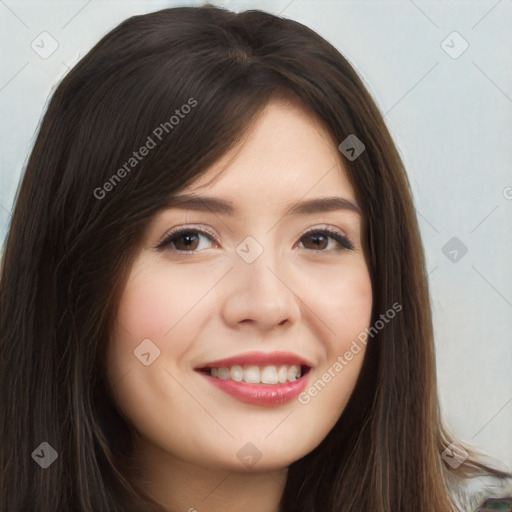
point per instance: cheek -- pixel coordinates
(158, 304)
(148, 310)
(344, 306)
(166, 309)
(344, 303)
(148, 306)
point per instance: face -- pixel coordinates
(220, 299)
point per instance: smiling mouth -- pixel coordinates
(252, 374)
(267, 386)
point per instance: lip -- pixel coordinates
(259, 359)
(259, 394)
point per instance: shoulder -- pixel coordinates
(471, 493)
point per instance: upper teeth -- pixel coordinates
(256, 375)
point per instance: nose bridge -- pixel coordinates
(258, 267)
(258, 290)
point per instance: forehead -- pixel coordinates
(287, 153)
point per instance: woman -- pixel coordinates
(285, 362)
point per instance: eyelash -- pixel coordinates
(343, 241)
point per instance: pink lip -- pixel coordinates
(259, 394)
(259, 359)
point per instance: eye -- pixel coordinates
(320, 239)
(185, 240)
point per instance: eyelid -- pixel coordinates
(328, 227)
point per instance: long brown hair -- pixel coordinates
(77, 222)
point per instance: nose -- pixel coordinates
(260, 294)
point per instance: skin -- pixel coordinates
(299, 295)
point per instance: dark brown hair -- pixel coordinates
(70, 247)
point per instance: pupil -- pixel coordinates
(316, 239)
(188, 239)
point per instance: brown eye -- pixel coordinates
(320, 240)
(184, 240)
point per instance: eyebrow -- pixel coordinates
(222, 206)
